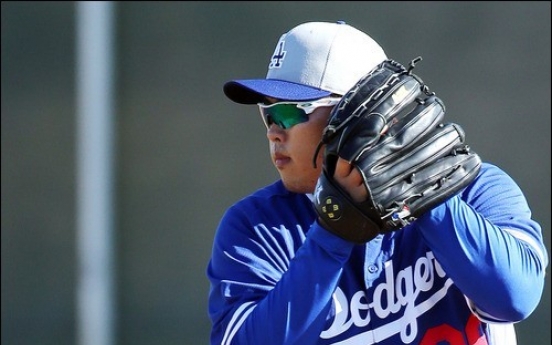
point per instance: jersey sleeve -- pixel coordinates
(269, 286)
(487, 242)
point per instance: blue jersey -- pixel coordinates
(461, 274)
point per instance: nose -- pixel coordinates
(275, 133)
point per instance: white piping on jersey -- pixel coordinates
(481, 315)
(499, 331)
(530, 241)
(237, 320)
(502, 334)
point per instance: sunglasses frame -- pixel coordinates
(307, 108)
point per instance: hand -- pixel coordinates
(350, 180)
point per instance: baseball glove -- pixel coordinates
(389, 126)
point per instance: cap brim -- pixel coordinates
(253, 91)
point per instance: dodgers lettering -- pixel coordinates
(400, 291)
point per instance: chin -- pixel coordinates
(298, 186)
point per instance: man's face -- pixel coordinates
(292, 151)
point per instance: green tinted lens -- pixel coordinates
(284, 115)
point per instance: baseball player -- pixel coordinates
(384, 227)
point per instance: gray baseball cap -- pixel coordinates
(312, 60)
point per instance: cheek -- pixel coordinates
(307, 136)
(308, 141)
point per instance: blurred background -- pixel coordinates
(183, 152)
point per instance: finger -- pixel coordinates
(343, 168)
(357, 190)
(350, 179)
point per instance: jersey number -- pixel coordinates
(447, 334)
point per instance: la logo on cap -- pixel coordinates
(278, 55)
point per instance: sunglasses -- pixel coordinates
(288, 114)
